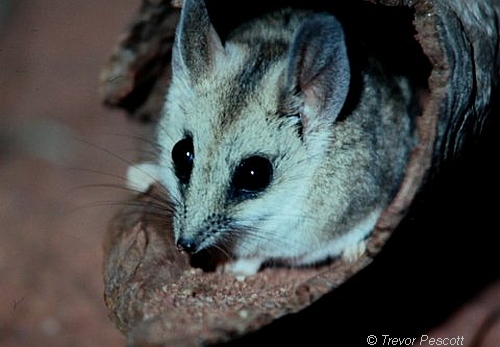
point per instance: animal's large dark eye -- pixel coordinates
(183, 156)
(252, 175)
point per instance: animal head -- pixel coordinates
(246, 123)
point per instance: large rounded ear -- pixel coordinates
(197, 45)
(319, 67)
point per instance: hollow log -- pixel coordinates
(154, 295)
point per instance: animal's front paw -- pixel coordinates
(141, 176)
(243, 267)
(354, 251)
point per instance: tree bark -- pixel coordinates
(154, 295)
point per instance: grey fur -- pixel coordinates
(283, 72)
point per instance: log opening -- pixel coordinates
(448, 48)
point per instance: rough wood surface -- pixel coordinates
(153, 294)
(156, 296)
(138, 71)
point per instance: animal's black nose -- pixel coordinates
(186, 244)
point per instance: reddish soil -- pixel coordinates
(52, 128)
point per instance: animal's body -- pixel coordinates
(261, 159)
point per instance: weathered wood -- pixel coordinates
(156, 298)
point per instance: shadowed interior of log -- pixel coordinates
(154, 295)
